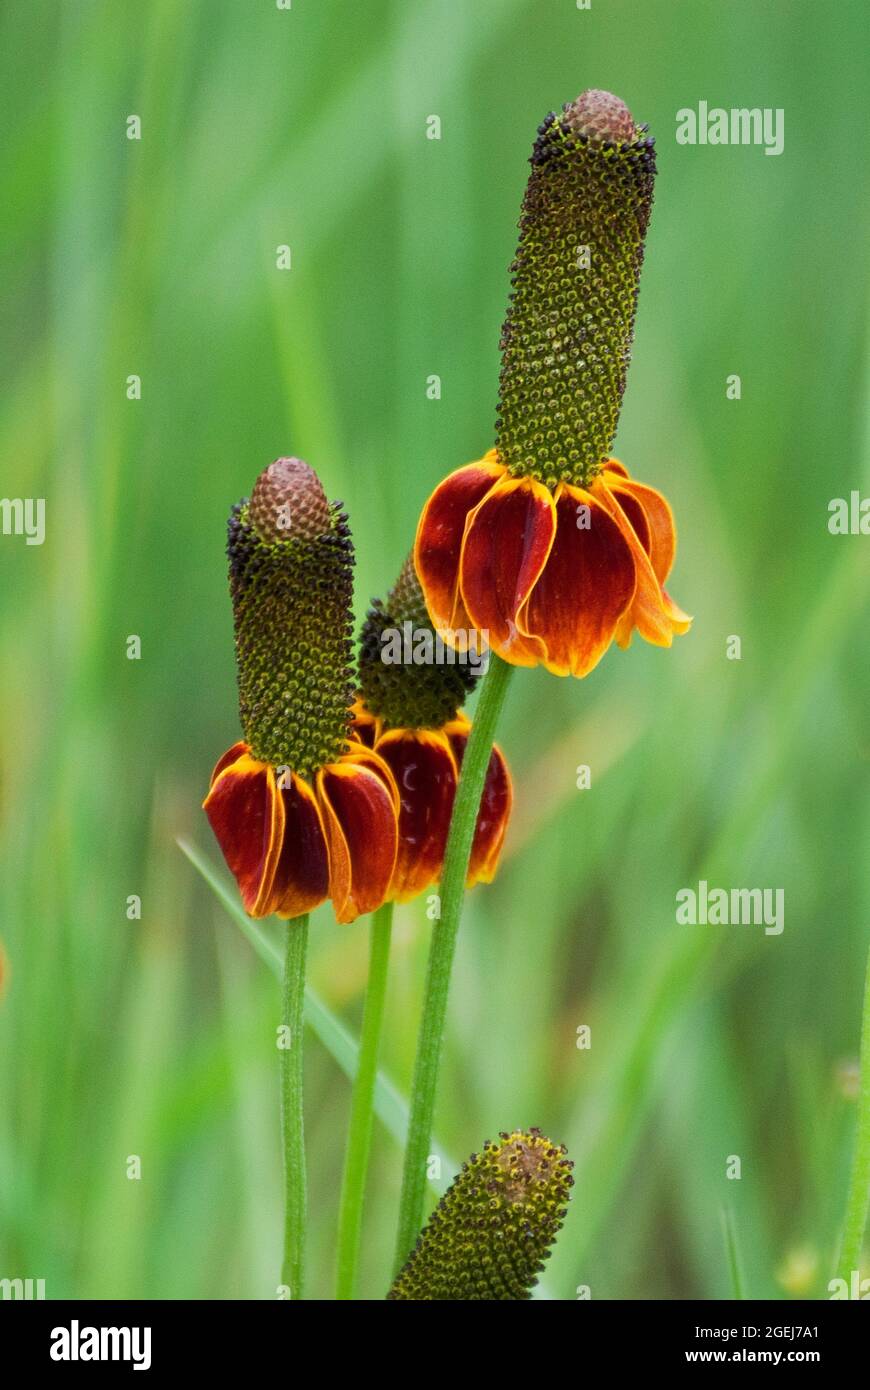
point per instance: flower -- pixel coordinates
(552, 577)
(490, 1234)
(301, 810)
(546, 543)
(292, 843)
(425, 764)
(408, 714)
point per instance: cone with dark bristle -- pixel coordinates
(566, 341)
(409, 694)
(291, 582)
(493, 1229)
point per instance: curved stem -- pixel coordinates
(359, 1135)
(292, 1130)
(858, 1200)
(457, 854)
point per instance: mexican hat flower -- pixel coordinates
(546, 542)
(411, 688)
(302, 810)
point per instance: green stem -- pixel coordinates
(858, 1201)
(458, 852)
(732, 1254)
(295, 1191)
(359, 1135)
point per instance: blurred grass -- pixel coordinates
(155, 1037)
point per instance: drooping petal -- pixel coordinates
(658, 520)
(495, 808)
(359, 815)
(371, 759)
(301, 880)
(652, 612)
(438, 546)
(680, 620)
(246, 813)
(230, 756)
(585, 587)
(505, 550)
(365, 727)
(425, 772)
(635, 513)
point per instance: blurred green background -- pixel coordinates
(260, 128)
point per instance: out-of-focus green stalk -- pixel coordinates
(858, 1200)
(359, 1136)
(457, 854)
(292, 1127)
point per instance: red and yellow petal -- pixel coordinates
(495, 807)
(656, 617)
(506, 547)
(365, 727)
(230, 756)
(425, 773)
(246, 813)
(438, 546)
(370, 758)
(587, 584)
(657, 531)
(359, 816)
(301, 880)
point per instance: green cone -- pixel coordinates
(291, 582)
(566, 341)
(492, 1230)
(409, 694)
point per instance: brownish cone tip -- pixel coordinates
(288, 502)
(601, 116)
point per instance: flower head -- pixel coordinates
(302, 811)
(546, 542)
(492, 1230)
(409, 714)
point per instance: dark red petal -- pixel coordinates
(439, 538)
(364, 725)
(424, 769)
(636, 515)
(494, 813)
(586, 585)
(652, 612)
(658, 520)
(370, 758)
(231, 756)
(301, 880)
(359, 815)
(247, 816)
(505, 550)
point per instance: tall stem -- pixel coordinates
(458, 852)
(858, 1200)
(295, 1187)
(359, 1135)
